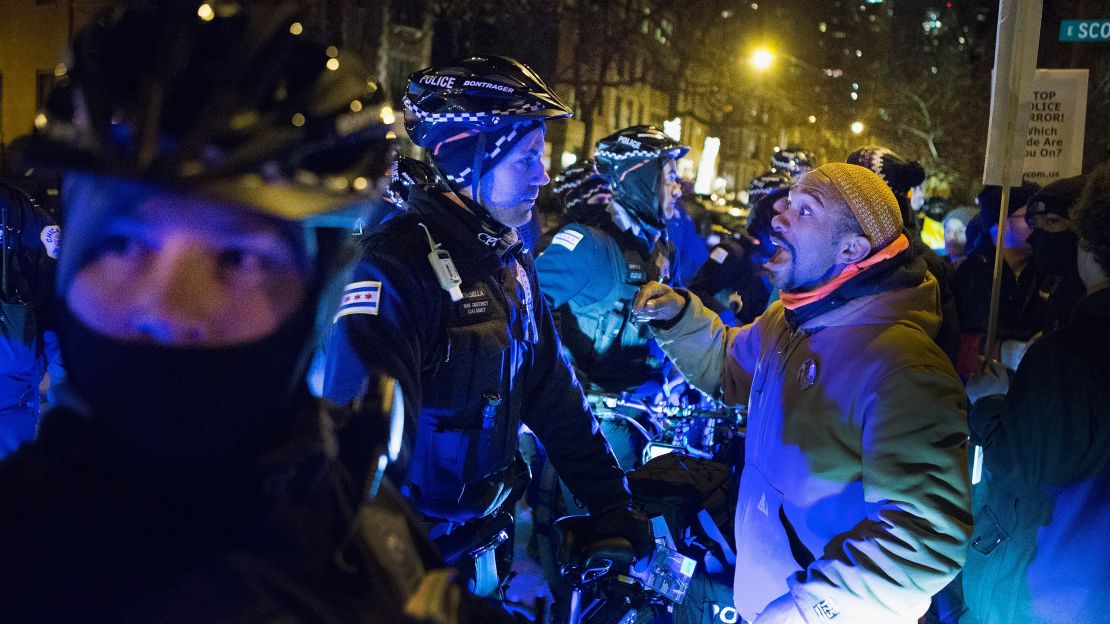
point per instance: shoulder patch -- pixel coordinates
(51, 237)
(718, 255)
(568, 239)
(359, 298)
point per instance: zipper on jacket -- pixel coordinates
(784, 348)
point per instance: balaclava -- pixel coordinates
(464, 157)
(195, 408)
(637, 189)
(1055, 253)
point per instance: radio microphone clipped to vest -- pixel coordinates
(444, 268)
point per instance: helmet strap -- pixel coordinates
(476, 167)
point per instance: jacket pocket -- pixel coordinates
(989, 534)
(461, 437)
(764, 558)
(474, 367)
(987, 584)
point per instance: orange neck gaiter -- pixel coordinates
(793, 301)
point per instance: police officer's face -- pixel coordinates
(180, 271)
(510, 189)
(669, 188)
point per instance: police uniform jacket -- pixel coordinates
(595, 270)
(30, 242)
(91, 533)
(472, 370)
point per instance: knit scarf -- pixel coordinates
(793, 301)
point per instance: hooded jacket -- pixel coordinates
(854, 496)
(595, 271)
(1041, 524)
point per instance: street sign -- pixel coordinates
(1092, 30)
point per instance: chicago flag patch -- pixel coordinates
(359, 298)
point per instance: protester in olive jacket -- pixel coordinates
(1042, 530)
(854, 499)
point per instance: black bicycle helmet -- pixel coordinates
(631, 160)
(222, 99)
(792, 159)
(405, 174)
(622, 150)
(478, 92)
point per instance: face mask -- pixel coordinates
(1054, 253)
(186, 408)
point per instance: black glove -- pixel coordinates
(629, 524)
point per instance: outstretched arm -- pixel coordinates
(717, 359)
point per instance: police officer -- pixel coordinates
(443, 298)
(29, 243)
(404, 174)
(582, 196)
(732, 282)
(584, 193)
(187, 475)
(597, 269)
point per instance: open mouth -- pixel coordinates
(781, 255)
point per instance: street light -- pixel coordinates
(762, 59)
(857, 127)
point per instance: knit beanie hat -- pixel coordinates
(770, 182)
(1056, 197)
(899, 174)
(990, 200)
(869, 198)
(580, 186)
(963, 214)
(470, 152)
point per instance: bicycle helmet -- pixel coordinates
(227, 103)
(236, 104)
(631, 160)
(770, 183)
(404, 174)
(581, 187)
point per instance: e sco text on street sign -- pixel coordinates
(1091, 30)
